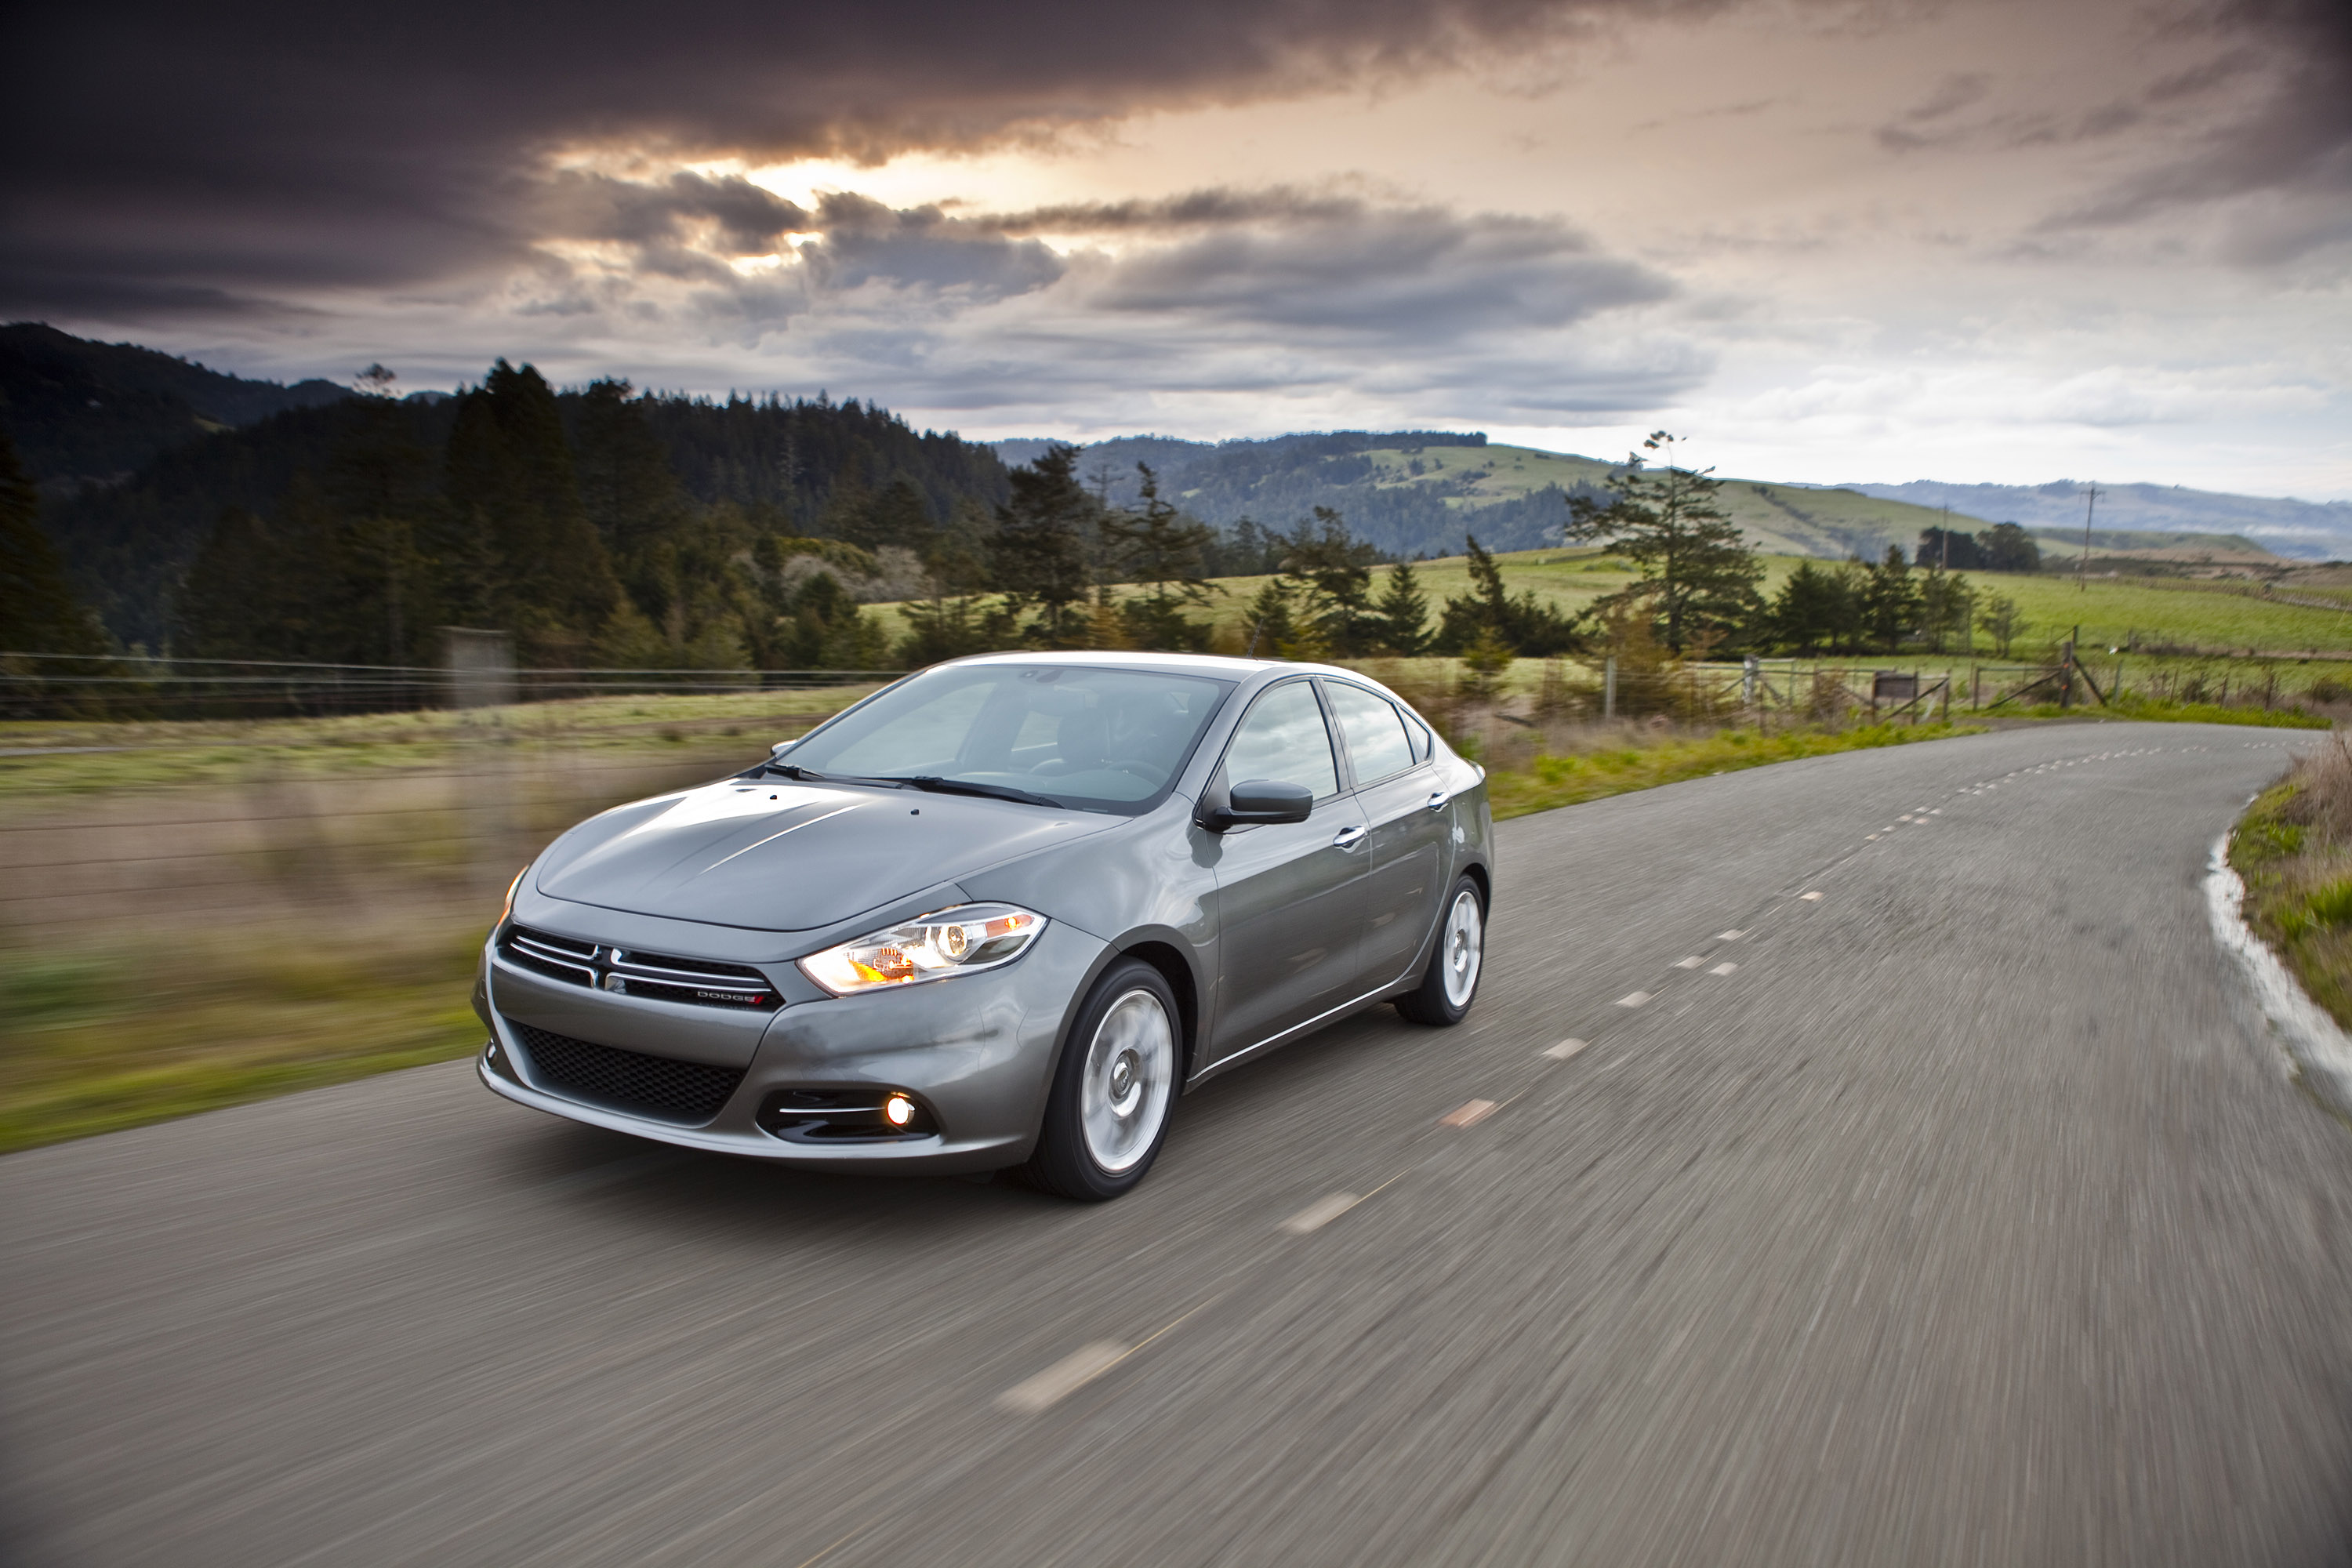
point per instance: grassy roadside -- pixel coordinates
(1556, 781)
(102, 1038)
(2292, 849)
(53, 759)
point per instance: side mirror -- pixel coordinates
(1260, 800)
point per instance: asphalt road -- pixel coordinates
(1971, 1217)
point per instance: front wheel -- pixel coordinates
(1107, 1113)
(1450, 981)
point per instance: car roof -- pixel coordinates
(1213, 665)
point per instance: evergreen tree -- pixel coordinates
(955, 620)
(1812, 610)
(1159, 550)
(1274, 632)
(1488, 617)
(1402, 613)
(38, 611)
(1039, 554)
(896, 515)
(1890, 601)
(1947, 606)
(1695, 568)
(379, 483)
(1329, 578)
(511, 485)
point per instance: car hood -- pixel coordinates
(787, 857)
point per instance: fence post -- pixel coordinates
(1608, 687)
(478, 667)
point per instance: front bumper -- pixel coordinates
(977, 1050)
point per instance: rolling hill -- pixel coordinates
(2158, 514)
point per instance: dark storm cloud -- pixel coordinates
(1421, 276)
(256, 146)
(2296, 142)
(866, 241)
(1213, 208)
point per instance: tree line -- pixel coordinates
(569, 521)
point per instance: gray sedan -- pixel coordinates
(999, 913)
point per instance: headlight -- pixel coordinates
(506, 912)
(952, 942)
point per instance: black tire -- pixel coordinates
(1443, 996)
(1086, 1149)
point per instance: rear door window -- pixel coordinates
(1376, 741)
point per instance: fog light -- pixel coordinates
(898, 1110)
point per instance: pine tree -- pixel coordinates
(1039, 554)
(511, 482)
(1812, 610)
(1488, 617)
(1402, 613)
(1890, 601)
(38, 611)
(1273, 634)
(1160, 551)
(1330, 580)
(1695, 568)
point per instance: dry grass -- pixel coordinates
(2294, 849)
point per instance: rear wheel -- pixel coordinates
(1450, 981)
(1109, 1110)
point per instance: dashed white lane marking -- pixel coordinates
(1062, 1379)
(1633, 999)
(1813, 898)
(1320, 1213)
(1693, 962)
(1467, 1112)
(1730, 935)
(1723, 969)
(1562, 1051)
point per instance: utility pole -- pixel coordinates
(2090, 504)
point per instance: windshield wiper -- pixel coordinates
(937, 785)
(794, 771)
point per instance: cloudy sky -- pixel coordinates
(1977, 240)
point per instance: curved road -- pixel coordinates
(1964, 1214)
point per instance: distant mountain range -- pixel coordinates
(2306, 530)
(1418, 492)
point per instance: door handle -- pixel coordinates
(1349, 837)
(1437, 799)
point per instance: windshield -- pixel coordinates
(1100, 740)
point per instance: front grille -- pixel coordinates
(700, 981)
(661, 1088)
